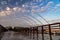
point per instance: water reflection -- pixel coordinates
(10, 35)
(1, 35)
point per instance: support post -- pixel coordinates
(33, 32)
(50, 32)
(42, 33)
(30, 32)
(37, 33)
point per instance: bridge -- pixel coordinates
(33, 33)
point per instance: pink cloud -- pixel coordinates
(9, 11)
(42, 9)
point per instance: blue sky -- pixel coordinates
(26, 12)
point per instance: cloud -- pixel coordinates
(50, 3)
(40, 0)
(58, 5)
(34, 6)
(2, 13)
(21, 22)
(47, 7)
(4, 2)
(14, 10)
(56, 8)
(8, 9)
(19, 10)
(33, 11)
(37, 0)
(5, 12)
(43, 9)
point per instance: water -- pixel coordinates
(10, 35)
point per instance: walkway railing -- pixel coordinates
(34, 33)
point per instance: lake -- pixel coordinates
(10, 35)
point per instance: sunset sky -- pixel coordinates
(26, 13)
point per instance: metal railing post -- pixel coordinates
(42, 33)
(33, 32)
(30, 32)
(59, 25)
(50, 32)
(37, 33)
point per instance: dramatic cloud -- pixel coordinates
(9, 11)
(5, 12)
(40, 10)
(12, 12)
